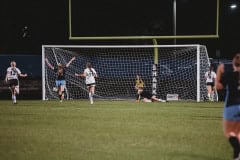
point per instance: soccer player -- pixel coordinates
(139, 87)
(210, 77)
(60, 80)
(231, 121)
(90, 74)
(148, 97)
(12, 79)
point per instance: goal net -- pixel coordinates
(165, 69)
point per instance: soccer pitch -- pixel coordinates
(112, 130)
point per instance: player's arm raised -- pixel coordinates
(68, 64)
(49, 65)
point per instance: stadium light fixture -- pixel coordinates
(233, 6)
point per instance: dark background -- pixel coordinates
(47, 23)
(154, 17)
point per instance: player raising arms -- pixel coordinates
(139, 87)
(90, 74)
(231, 122)
(60, 80)
(12, 79)
(210, 77)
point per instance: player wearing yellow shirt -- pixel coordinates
(139, 87)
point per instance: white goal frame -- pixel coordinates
(124, 46)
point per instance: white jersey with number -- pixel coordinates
(12, 73)
(210, 76)
(90, 75)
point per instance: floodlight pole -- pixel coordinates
(175, 20)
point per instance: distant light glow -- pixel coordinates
(233, 6)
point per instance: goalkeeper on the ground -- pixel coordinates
(139, 87)
(148, 97)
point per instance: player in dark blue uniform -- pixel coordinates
(60, 79)
(231, 81)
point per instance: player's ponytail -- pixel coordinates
(89, 66)
(210, 70)
(236, 60)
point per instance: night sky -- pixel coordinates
(47, 23)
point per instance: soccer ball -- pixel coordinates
(55, 89)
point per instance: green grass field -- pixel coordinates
(112, 130)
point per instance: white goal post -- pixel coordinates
(165, 69)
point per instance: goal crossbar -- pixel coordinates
(172, 66)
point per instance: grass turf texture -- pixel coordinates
(112, 130)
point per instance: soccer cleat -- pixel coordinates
(161, 100)
(238, 158)
(61, 101)
(55, 89)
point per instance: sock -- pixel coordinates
(235, 145)
(212, 95)
(14, 99)
(60, 96)
(208, 95)
(90, 97)
(137, 96)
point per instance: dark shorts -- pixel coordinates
(91, 85)
(232, 113)
(146, 94)
(210, 84)
(13, 82)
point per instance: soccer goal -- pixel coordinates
(165, 69)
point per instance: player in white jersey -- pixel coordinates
(210, 77)
(90, 74)
(12, 80)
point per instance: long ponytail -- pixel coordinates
(89, 66)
